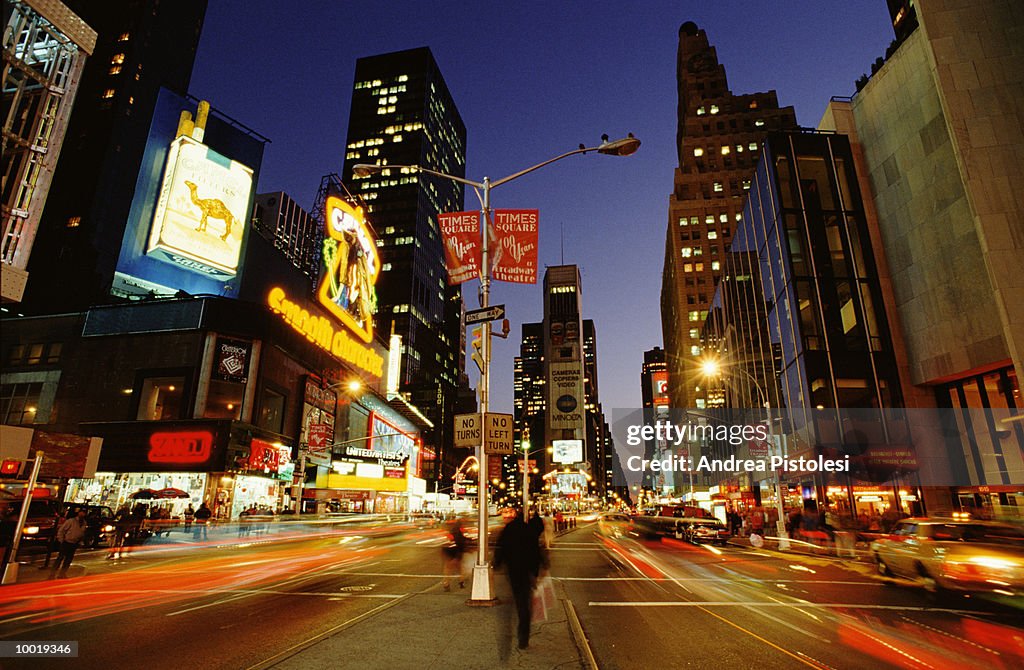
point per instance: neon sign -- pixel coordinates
(350, 270)
(180, 447)
(320, 331)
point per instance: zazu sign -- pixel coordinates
(180, 447)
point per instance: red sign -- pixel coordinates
(180, 447)
(494, 467)
(461, 234)
(513, 245)
(319, 436)
(533, 464)
(263, 456)
(758, 448)
(659, 380)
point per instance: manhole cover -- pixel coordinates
(353, 589)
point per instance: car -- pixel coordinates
(614, 524)
(679, 521)
(954, 555)
(44, 515)
(698, 530)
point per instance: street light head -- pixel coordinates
(710, 368)
(365, 169)
(355, 385)
(624, 147)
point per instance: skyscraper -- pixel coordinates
(718, 136)
(140, 47)
(291, 229)
(403, 114)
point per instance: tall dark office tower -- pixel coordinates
(403, 114)
(141, 46)
(718, 136)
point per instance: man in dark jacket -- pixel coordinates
(519, 550)
(69, 536)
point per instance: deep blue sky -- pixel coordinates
(532, 80)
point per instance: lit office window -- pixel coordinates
(712, 235)
(759, 123)
(752, 146)
(687, 252)
(117, 59)
(700, 111)
(109, 93)
(718, 187)
(725, 151)
(723, 218)
(716, 266)
(698, 152)
(687, 267)
(709, 219)
(714, 109)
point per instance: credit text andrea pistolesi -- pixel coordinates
(733, 464)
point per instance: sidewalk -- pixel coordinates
(436, 629)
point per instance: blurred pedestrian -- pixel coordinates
(203, 515)
(190, 513)
(519, 550)
(451, 555)
(69, 536)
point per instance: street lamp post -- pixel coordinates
(483, 591)
(712, 369)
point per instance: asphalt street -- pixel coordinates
(256, 601)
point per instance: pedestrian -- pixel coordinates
(69, 536)
(202, 516)
(519, 550)
(190, 513)
(451, 555)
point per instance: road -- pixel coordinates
(252, 601)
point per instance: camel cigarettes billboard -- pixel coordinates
(201, 213)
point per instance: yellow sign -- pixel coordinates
(320, 331)
(350, 270)
(202, 210)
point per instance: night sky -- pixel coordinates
(533, 80)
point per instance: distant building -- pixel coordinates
(402, 113)
(718, 138)
(557, 404)
(45, 49)
(291, 229)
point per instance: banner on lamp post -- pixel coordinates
(513, 243)
(461, 234)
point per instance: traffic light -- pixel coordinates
(476, 350)
(10, 468)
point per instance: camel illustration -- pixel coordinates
(211, 207)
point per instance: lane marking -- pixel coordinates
(738, 578)
(733, 603)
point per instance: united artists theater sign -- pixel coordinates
(346, 292)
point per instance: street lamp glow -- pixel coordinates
(710, 367)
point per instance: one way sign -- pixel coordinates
(492, 313)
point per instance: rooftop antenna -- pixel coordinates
(561, 232)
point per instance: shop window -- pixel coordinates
(19, 403)
(224, 400)
(161, 398)
(271, 415)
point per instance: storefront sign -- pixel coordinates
(319, 436)
(263, 456)
(321, 331)
(202, 210)
(461, 234)
(180, 447)
(386, 437)
(513, 242)
(659, 382)
(232, 360)
(350, 268)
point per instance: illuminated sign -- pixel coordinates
(180, 447)
(202, 210)
(385, 437)
(320, 331)
(659, 381)
(567, 451)
(350, 268)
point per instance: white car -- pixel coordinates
(954, 555)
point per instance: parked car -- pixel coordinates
(44, 515)
(685, 522)
(946, 555)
